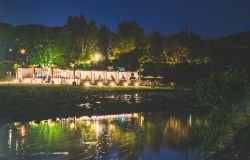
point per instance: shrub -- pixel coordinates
(224, 93)
(226, 88)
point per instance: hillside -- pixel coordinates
(239, 40)
(233, 49)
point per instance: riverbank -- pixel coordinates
(232, 152)
(25, 101)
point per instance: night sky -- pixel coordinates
(208, 18)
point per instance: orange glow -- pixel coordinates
(136, 84)
(22, 131)
(99, 84)
(22, 51)
(86, 84)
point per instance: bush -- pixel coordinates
(226, 88)
(224, 93)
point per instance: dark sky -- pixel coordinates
(208, 18)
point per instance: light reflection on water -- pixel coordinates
(123, 136)
(90, 101)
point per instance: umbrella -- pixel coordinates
(149, 77)
(159, 77)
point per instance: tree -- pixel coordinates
(104, 41)
(83, 36)
(129, 37)
(34, 38)
(6, 36)
(154, 46)
(50, 56)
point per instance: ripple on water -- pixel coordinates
(122, 136)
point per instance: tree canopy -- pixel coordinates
(79, 40)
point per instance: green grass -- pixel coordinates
(29, 92)
(82, 88)
(45, 100)
(54, 93)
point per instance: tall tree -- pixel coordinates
(104, 41)
(50, 56)
(6, 37)
(129, 38)
(154, 46)
(33, 38)
(83, 36)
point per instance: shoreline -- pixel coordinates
(38, 101)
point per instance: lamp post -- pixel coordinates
(21, 51)
(73, 65)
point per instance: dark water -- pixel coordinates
(124, 136)
(173, 133)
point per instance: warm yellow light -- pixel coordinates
(22, 51)
(125, 84)
(86, 84)
(98, 57)
(72, 126)
(136, 84)
(22, 131)
(99, 83)
(112, 83)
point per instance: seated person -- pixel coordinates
(112, 78)
(87, 77)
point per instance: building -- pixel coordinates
(80, 77)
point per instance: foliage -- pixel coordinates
(224, 94)
(80, 39)
(84, 38)
(222, 88)
(51, 56)
(6, 33)
(140, 69)
(109, 68)
(104, 42)
(33, 65)
(129, 38)
(15, 66)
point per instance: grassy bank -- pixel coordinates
(45, 101)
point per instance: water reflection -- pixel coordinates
(95, 100)
(123, 136)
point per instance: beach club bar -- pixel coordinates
(79, 77)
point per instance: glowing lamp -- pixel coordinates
(86, 84)
(97, 56)
(112, 83)
(99, 84)
(136, 84)
(22, 51)
(125, 84)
